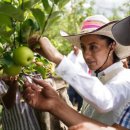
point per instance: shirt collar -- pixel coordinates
(107, 74)
(111, 68)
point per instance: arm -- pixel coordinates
(10, 96)
(47, 99)
(103, 98)
(93, 126)
(46, 48)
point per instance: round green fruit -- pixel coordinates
(12, 70)
(23, 56)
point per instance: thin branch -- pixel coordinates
(47, 19)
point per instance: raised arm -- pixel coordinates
(47, 99)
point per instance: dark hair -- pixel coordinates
(110, 41)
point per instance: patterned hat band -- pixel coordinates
(91, 25)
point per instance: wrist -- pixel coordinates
(58, 59)
(57, 107)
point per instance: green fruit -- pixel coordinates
(12, 70)
(23, 56)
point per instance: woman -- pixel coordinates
(107, 93)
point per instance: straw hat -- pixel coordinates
(122, 28)
(99, 25)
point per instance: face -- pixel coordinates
(95, 52)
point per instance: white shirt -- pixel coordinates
(105, 96)
(78, 60)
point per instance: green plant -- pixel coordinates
(23, 56)
(12, 70)
(21, 19)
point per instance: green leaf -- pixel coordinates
(9, 10)
(1, 48)
(6, 31)
(6, 60)
(46, 5)
(3, 62)
(53, 18)
(42, 71)
(8, 1)
(55, 1)
(39, 16)
(62, 3)
(52, 21)
(5, 20)
(55, 14)
(29, 4)
(27, 28)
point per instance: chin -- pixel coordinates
(94, 68)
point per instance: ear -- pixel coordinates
(112, 47)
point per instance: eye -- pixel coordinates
(93, 47)
(82, 47)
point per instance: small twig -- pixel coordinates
(47, 19)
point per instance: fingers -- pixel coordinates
(33, 86)
(41, 83)
(76, 127)
(26, 84)
(33, 41)
(28, 95)
(11, 81)
(81, 126)
(29, 89)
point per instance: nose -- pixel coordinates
(87, 54)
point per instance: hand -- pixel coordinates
(95, 126)
(78, 127)
(43, 97)
(10, 81)
(46, 48)
(84, 126)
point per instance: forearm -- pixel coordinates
(49, 51)
(9, 97)
(71, 117)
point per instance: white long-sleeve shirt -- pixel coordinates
(78, 60)
(106, 96)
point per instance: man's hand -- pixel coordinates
(10, 81)
(10, 96)
(43, 97)
(95, 126)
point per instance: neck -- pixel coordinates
(104, 66)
